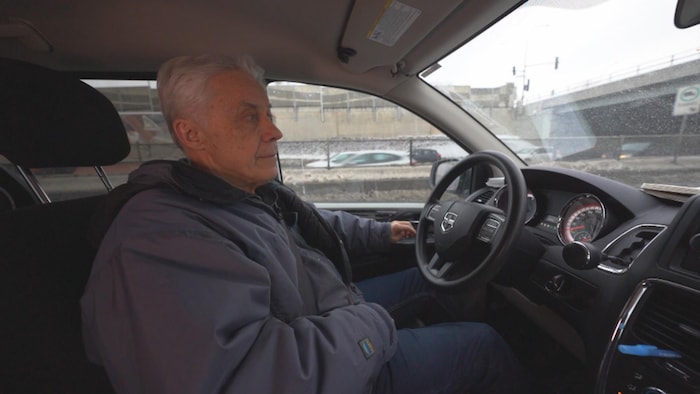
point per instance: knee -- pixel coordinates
(485, 334)
(496, 359)
(487, 342)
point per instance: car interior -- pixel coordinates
(594, 281)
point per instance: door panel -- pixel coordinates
(402, 254)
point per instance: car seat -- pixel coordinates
(50, 119)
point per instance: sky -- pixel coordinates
(604, 37)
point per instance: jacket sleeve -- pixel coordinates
(360, 235)
(189, 312)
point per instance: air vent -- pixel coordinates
(484, 197)
(628, 246)
(670, 319)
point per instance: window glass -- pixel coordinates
(586, 85)
(59, 183)
(341, 145)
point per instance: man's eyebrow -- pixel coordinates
(246, 104)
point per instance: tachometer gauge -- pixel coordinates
(581, 219)
(501, 201)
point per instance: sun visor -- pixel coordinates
(382, 33)
(50, 119)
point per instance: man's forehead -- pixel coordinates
(242, 97)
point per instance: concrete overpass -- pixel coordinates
(598, 120)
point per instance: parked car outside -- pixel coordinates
(528, 151)
(537, 154)
(633, 149)
(336, 160)
(363, 159)
(425, 156)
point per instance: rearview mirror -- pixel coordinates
(687, 13)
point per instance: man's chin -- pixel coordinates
(273, 175)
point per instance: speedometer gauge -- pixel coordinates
(581, 219)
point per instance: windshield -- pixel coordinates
(611, 87)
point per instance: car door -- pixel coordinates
(380, 182)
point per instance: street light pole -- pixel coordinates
(526, 81)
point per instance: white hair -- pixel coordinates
(182, 82)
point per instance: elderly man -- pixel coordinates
(216, 278)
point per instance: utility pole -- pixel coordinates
(525, 80)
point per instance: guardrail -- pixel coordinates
(629, 72)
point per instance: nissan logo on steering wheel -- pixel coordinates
(448, 222)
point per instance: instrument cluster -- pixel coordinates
(581, 218)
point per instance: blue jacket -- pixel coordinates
(199, 287)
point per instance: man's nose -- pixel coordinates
(271, 131)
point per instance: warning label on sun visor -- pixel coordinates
(395, 19)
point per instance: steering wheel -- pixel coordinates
(472, 240)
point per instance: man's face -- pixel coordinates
(236, 139)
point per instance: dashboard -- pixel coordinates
(646, 263)
(643, 289)
(581, 218)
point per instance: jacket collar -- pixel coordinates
(189, 180)
(197, 183)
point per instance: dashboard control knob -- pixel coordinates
(582, 255)
(694, 243)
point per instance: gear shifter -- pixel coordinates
(584, 255)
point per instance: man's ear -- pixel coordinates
(188, 134)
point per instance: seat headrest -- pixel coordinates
(51, 119)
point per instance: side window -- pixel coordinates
(341, 145)
(338, 145)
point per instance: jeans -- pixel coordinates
(455, 357)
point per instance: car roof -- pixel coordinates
(133, 37)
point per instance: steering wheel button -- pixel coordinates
(433, 213)
(488, 230)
